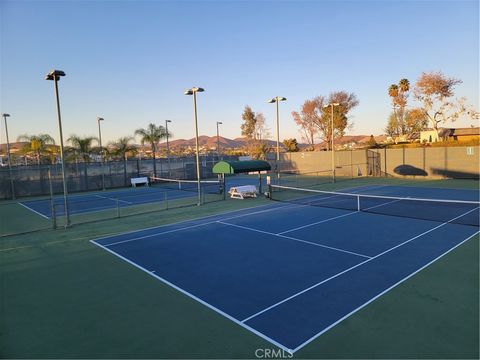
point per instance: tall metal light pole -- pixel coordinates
(101, 148)
(12, 187)
(276, 100)
(193, 91)
(332, 105)
(168, 148)
(218, 140)
(55, 76)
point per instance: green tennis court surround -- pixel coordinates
(237, 167)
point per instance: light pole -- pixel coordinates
(8, 155)
(101, 149)
(168, 149)
(218, 140)
(276, 100)
(55, 76)
(332, 105)
(193, 91)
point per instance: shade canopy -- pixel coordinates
(237, 167)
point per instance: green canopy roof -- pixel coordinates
(236, 167)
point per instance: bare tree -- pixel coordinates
(262, 132)
(307, 120)
(435, 91)
(314, 116)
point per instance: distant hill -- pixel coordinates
(353, 139)
(210, 142)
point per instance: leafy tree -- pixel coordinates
(291, 145)
(307, 120)
(434, 91)
(255, 130)
(82, 148)
(313, 112)
(38, 145)
(347, 102)
(257, 150)
(248, 127)
(392, 125)
(415, 120)
(122, 148)
(152, 135)
(372, 143)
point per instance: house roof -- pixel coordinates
(467, 131)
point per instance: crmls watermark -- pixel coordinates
(272, 354)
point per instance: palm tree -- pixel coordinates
(393, 90)
(83, 148)
(152, 135)
(123, 148)
(404, 85)
(37, 144)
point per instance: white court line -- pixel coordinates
(36, 212)
(295, 239)
(183, 221)
(270, 207)
(236, 321)
(191, 226)
(382, 293)
(376, 206)
(351, 268)
(317, 222)
(113, 199)
(240, 322)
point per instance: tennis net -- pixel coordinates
(206, 186)
(439, 210)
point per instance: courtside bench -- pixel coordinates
(242, 192)
(139, 181)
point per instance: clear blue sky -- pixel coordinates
(130, 61)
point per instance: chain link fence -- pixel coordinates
(33, 180)
(460, 162)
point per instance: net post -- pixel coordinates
(358, 202)
(165, 199)
(269, 186)
(118, 208)
(224, 190)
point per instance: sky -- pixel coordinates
(131, 61)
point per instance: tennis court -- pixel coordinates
(291, 270)
(162, 191)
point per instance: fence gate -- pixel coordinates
(373, 163)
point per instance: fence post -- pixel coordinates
(52, 203)
(53, 214)
(385, 160)
(446, 162)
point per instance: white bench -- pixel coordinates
(242, 192)
(139, 180)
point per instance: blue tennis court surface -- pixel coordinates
(290, 272)
(106, 200)
(92, 202)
